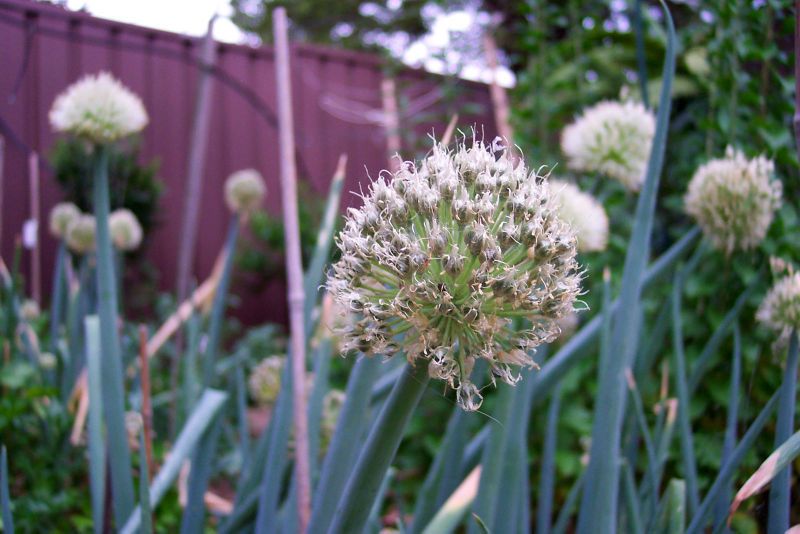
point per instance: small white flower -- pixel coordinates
(244, 191)
(611, 138)
(98, 108)
(126, 232)
(734, 200)
(48, 360)
(61, 216)
(81, 234)
(584, 213)
(780, 309)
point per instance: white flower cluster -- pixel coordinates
(442, 261)
(81, 234)
(780, 309)
(584, 213)
(126, 232)
(61, 216)
(611, 138)
(244, 191)
(99, 109)
(734, 200)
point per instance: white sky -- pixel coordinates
(190, 17)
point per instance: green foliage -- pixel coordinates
(348, 23)
(259, 257)
(132, 185)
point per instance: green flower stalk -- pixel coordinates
(734, 200)
(442, 258)
(100, 110)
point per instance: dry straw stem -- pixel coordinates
(81, 393)
(294, 266)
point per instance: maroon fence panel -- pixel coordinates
(337, 101)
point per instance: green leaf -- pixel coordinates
(344, 448)
(455, 508)
(5, 500)
(378, 451)
(781, 489)
(208, 407)
(599, 503)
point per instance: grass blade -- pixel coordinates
(208, 408)
(599, 503)
(781, 488)
(5, 499)
(544, 509)
(113, 382)
(562, 521)
(672, 515)
(313, 275)
(378, 451)
(241, 415)
(721, 509)
(634, 514)
(494, 455)
(709, 350)
(729, 469)
(641, 59)
(344, 447)
(768, 471)
(220, 300)
(322, 364)
(275, 458)
(202, 463)
(684, 415)
(456, 507)
(644, 430)
(97, 451)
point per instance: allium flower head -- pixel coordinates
(81, 234)
(611, 138)
(442, 258)
(61, 216)
(244, 191)
(48, 360)
(584, 213)
(29, 310)
(126, 232)
(265, 380)
(99, 109)
(734, 199)
(780, 309)
(332, 406)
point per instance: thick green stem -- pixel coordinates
(113, 383)
(379, 451)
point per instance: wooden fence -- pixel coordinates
(337, 106)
